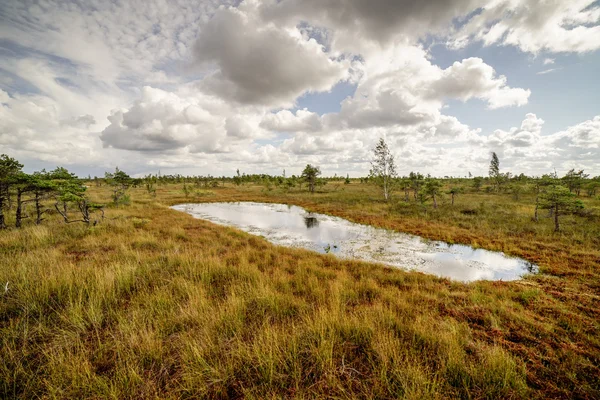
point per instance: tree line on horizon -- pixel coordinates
(67, 193)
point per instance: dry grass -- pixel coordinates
(156, 304)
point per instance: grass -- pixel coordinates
(152, 303)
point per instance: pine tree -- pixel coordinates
(310, 175)
(494, 171)
(561, 201)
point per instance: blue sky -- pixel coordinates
(207, 87)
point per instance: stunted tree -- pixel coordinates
(237, 179)
(383, 169)
(454, 191)
(416, 181)
(34, 188)
(405, 185)
(72, 192)
(150, 183)
(9, 170)
(120, 182)
(43, 188)
(538, 187)
(592, 186)
(310, 175)
(23, 183)
(477, 183)
(431, 189)
(561, 201)
(516, 190)
(574, 180)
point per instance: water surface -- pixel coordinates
(293, 226)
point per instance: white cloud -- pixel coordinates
(189, 86)
(473, 78)
(262, 63)
(583, 137)
(286, 121)
(402, 87)
(535, 26)
(527, 135)
(547, 71)
(356, 25)
(166, 121)
(32, 126)
(527, 149)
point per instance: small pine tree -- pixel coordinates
(560, 200)
(494, 171)
(310, 175)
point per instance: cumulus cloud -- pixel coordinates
(165, 121)
(535, 26)
(261, 63)
(584, 137)
(527, 149)
(473, 78)
(286, 121)
(526, 136)
(401, 87)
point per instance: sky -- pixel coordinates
(203, 87)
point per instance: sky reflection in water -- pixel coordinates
(293, 226)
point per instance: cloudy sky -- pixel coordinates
(210, 86)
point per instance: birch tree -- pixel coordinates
(383, 169)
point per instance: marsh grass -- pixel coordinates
(155, 304)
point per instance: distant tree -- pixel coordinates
(347, 181)
(120, 182)
(516, 189)
(538, 187)
(150, 183)
(186, 190)
(9, 170)
(405, 185)
(454, 191)
(494, 171)
(431, 188)
(290, 182)
(237, 179)
(574, 180)
(310, 176)
(592, 186)
(477, 183)
(383, 169)
(321, 182)
(416, 181)
(561, 201)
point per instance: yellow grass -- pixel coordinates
(152, 303)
